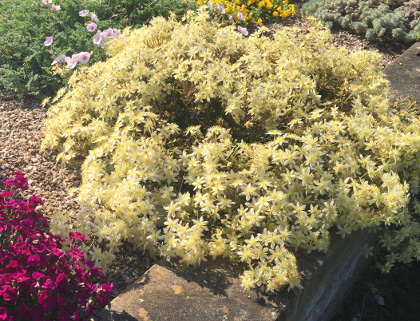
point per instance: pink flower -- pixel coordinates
(33, 260)
(46, 1)
(71, 62)
(59, 58)
(84, 56)
(98, 39)
(94, 17)
(83, 13)
(243, 30)
(48, 41)
(91, 27)
(56, 8)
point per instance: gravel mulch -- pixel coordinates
(22, 130)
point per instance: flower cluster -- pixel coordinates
(243, 12)
(38, 280)
(199, 142)
(99, 39)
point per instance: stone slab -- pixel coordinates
(212, 291)
(404, 74)
(161, 294)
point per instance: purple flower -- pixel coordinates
(59, 58)
(210, 5)
(48, 41)
(231, 20)
(33, 260)
(241, 16)
(244, 31)
(220, 8)
(91, 27)
(56, 8)
(94, 17)
(83, 13)
(84, 56)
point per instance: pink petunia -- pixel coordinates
(98, 39)
(91, 27)
(72, 62)
(48, 41)
(94, 17)
(83, 13)
(84, 56)
(244, 31)
(56, 8)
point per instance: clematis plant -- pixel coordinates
(38, 280)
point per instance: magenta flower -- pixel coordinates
(83, 13)
(33, 260)
(84, 56)
(91, 27)
(56, 8)
(3, 313)
(48, 41)
(241, 16)
(94, 17)
(243, 30)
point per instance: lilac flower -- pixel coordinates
(59, 58)
(56, 8)
(83, 13)
(220, 8)
(72, 62)
(48, 41)
(84, 56)
(231, 20)
(91, 27)
(94, 17)
(210, 5)
(243, 30)
(241, 16)
(46, 1)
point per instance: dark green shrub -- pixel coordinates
(25, 63)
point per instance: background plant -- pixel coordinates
(38, 279)
(25, 63)
(198, 142)
(374, 19)
(253, 11)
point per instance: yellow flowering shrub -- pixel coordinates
(253, 11)
(199, 142)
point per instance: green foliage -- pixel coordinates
(375, 19)
(198, 142)
(25, 63)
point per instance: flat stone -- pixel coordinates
(212, 291)
(163, 294)
(404, 74)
